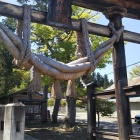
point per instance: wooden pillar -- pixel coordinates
(44, 105)
(91, 112)
(59, 12)
(55, 110)
(115, 15)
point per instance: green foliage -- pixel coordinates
(104, 107)
(51, 102)
(36, 4)
(96, 41)
(106, 81)
(52, 42)
(135, 72)
(46, 80)
(78, 103)
(111, 82)
(63, 103)
(21, 80)
(10, 23)
(79, 12)
(11, 78)
(100, 79)
(5, 70)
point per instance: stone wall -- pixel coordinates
(12, 121)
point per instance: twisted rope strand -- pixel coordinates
(87, 44)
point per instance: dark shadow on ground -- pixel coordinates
(58, 131)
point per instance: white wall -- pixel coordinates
(135, 109)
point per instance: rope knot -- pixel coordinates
(114, 31)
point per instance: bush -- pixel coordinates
(79, 103)
(63, 103)
(51, 102)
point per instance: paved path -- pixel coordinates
(106, 123)
(109, 123)
(27, 137)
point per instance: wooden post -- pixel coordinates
(14, 11)
(44, 106)
(91, 112)
(115, 15)
(59, 11)
(55, 110)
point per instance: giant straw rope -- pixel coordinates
(19, 47)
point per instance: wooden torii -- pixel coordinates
(114, 10)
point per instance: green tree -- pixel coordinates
(36, 4)
(111, 82)
(106, 81)
(12, 79)
(100, 80)
(135, 72)
(5, 70)
(103, 108)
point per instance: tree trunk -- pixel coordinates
(55, 110)
(71, 111)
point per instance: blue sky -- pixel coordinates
(132, 50)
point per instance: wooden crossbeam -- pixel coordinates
(32, 100)
(105, 94)
(132, 6)
(131, 91)
(14, 11)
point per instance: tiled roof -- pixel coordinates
(131, 82)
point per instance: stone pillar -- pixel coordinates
(14, 122)
(2, 109)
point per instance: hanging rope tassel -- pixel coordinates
(87, 44)
(19, 28)
(56, 91)
(71, 89)
(80, 50)
(35, 82)
(84, 46)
